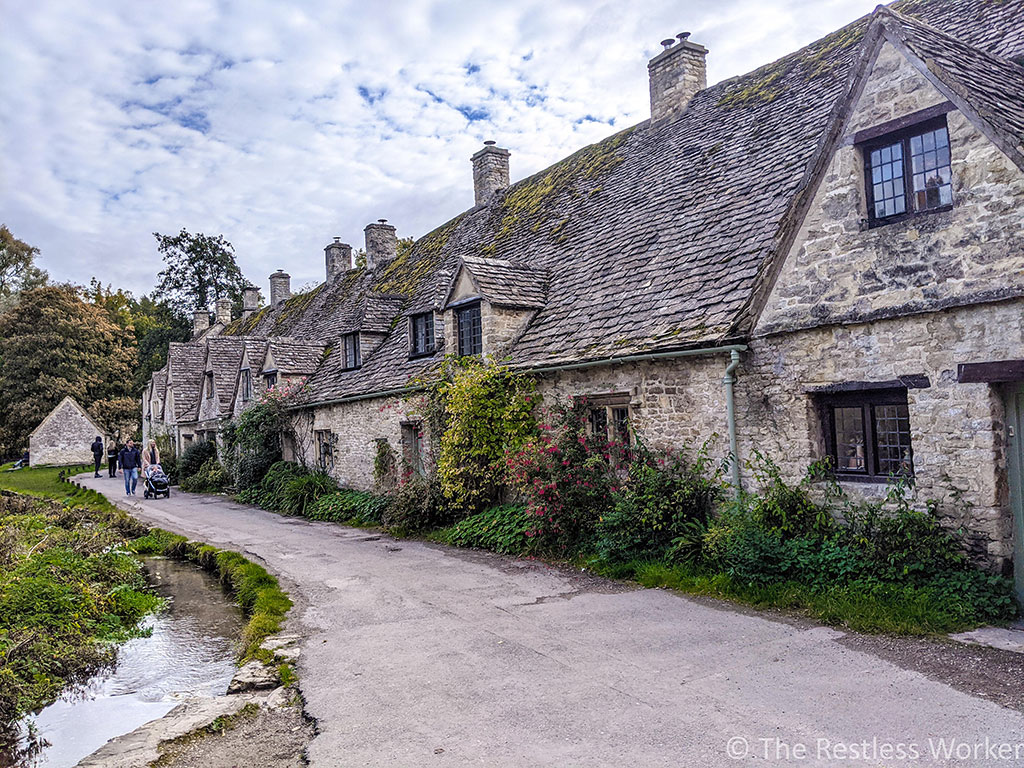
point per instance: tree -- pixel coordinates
(156, 325)
(54, 344)
(18, 271)
(118, 417)
(199, 268)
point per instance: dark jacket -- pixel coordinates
(97, 448)
(129, 458)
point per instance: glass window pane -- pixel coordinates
(892, 440)
(932, 186)
(887, 180)
(851, 454)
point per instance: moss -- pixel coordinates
(406, 273)
(244, 326)
(294, 307)
(577, 174)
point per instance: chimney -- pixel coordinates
(280, 287)
(339, 258)
(224, 311)
(490, 172)
(250, 301)
(200, 322)
(381, 243)
(677, 73)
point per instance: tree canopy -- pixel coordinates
(54, 344)
(200, 268)
(18, 270)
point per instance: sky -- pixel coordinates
(282, 124)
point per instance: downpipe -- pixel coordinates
(730, 409)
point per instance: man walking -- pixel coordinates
(97, 454)
(130, 461)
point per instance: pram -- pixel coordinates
(157, 483)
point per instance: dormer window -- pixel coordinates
(350, 351)
(209, 385)
(246, 384)
(421, 334)
(270, 379)
(908, 172)
(469, 330)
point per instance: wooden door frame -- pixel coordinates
(1014, 399)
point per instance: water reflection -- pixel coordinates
(189, 653)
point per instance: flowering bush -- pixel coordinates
(566, 480)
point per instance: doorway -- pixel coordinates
(1015, 469)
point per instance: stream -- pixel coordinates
(190, 652)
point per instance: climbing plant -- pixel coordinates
(253, 439)
(483, 412)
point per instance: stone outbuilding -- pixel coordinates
(64, 437)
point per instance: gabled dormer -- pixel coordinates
(489, 304)
(289, 361)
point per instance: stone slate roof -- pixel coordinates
(506, 283)
(224, 354)
(295, 357)
(186, 362)
(657, 237)
(379, 312)
(992, 85)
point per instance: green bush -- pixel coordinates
(301, 493)
(664, 499)
(349, 506)
(194, 457)
(785, 508)
(211, 477)
(507, 529)
(252, 440)
(416, 505)
(269, 493)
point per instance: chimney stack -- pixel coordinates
(200, 322)
(339, 258)
(250, 301)
(280, 287)
(490, 172)
(224, 311)
(677, 74)
(381, 243)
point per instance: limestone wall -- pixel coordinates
(64, 437)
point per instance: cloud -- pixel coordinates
(282, 124)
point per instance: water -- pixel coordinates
(189, 653)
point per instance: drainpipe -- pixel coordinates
(730, 409)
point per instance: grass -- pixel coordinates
(47, 483)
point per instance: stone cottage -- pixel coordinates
(64, 438)
(821, 258)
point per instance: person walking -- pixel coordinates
(130, 462)
(150, 458)
(97, 454)
(112, 452)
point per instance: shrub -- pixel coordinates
(385, 466)
(349, 506)
(507, 529)
(252, 441)
(663, 499)
(788, 509)
(210, 477)
(301, 493)
(194, 457)
(416, 505)
(269, 493)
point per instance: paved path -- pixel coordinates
(418, 655)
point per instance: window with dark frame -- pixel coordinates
(324, 449)
(470, 330)
(270, 379)
(412, 449)
(608, 417)
(246, 384)
(868, 434)
(421, 330)
(350, 351)
(909, 172)
(209, 385)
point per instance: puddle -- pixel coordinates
(189, 653)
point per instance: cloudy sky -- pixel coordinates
(282, 124)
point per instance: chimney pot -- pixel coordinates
(338, 256)
(668, 42)
(381, 243)
(200, 322)
(490, 143)
(280, 287)
(490, 172)
(224, 311)
(677, 74)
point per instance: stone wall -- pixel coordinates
(63, 438)
(499, 327)
(676, 75)
(840, 271)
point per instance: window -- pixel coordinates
(470, 330)
(909, 172)
(325, 441)
(209, 385)
(350, 351)
(412, 449)
(868, 434)
(609, 419)
(270, 379)
(246, 384)
(421, 334)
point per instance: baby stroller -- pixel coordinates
(157, 483)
